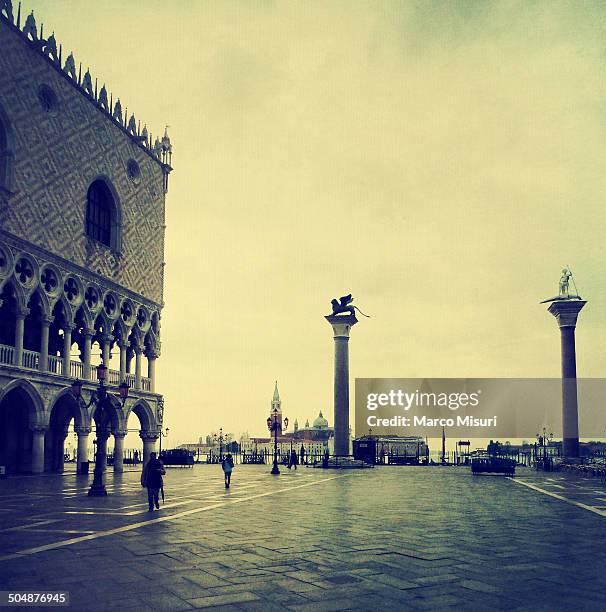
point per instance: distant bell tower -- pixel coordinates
(276, 408)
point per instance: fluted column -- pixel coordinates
(67, 346)
(82, 457)
(20, 315)
(119, 451)
(38, 433)
(149, 444)
(88, 341)
(46, 321)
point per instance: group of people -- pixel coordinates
(153, 470)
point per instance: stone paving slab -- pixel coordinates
(424, 538)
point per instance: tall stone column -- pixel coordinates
(38, 449)
(566, 313)
(149, 444)
(46, 321)
(20, 315)
(341, 326)
(60, 450)
(67, 347)
(119, 451)
(82, 457)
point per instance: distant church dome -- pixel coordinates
(320, 422)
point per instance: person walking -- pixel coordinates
(293, 459)
(151, 477)
(228, 466)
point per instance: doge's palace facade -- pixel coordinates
(82, 203)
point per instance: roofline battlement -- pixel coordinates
(161, 149)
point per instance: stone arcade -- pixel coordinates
(82, 196)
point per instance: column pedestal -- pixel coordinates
(566, 313)
(341, 325)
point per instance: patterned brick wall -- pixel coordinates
(57, 154)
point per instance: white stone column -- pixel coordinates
(149, 444)
(82, 457)
(46, 321)
(20, 315)
(38, 449)
(119, 451)
(67, 347)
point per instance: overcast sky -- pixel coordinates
(442, 161)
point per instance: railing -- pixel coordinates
(55, 364)
(6, 354)
(31, 361)
(76, 369)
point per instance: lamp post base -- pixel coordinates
(275, 470)
(97, 490)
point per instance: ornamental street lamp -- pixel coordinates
(219, 438)
(101, 399)
(273, 425)
(163, 434)
(544, 438)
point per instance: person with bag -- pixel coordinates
(228, 466)
(151, 477)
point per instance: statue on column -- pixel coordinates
(343, 305)
(564, 292)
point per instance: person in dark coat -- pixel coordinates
(151, 478)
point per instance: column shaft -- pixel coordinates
(123, 347)
(44, 344)
(19, 329)
(151, 372)
(38, 451)
(88, 340)
(570, 410)
(82, 448)
(67, 347)
(138, 353)
(341, 395)
(118, 452)
(149, 446)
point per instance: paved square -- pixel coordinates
(428, 538)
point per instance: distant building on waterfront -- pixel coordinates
(313, 439)
(82, 209)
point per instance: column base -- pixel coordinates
(570, 447)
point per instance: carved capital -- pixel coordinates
(150, 436)
(566, 312)
(106, 338)
(21, 312)
(82, 431)
(38, 429)
(119, 434)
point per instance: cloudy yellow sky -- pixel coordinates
(442, 161)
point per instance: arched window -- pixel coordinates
(101, 222)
